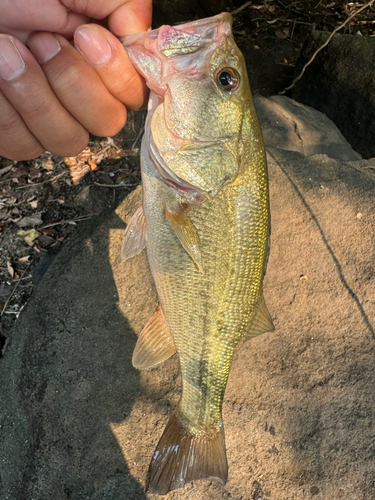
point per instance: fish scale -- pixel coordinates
(206, 232)
(193, 302)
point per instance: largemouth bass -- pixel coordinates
(205, 224)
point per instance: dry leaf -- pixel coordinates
(10, 268)
(3, 213)
(45, 240)
(280, 34)
(110, 141)
(28, 236)
(20, 171)
(23, 260)
(32, 220)
(5, 170)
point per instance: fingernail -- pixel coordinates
(11, 62)
(93, 46)
(44, 46)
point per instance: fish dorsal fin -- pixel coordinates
(135, 235)
(186, 232)
(155, 343)
(262, 322)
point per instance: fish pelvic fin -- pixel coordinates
(186, 232)
(155, 343)
(262, 322)
(135, 235)
(182, 456)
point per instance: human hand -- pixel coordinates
(53, 95)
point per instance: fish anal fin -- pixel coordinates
(262, 321)
(187, 234)
(155, 343)
(182, 456)
(135, 235)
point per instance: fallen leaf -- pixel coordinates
(48, 164)
(3, 213)
(23, 260)
(10, 268)
(45, 240)
(110, 141)
(92, 164)
(28, 236)
(5, 170)
(49, 231)
(280, 34)
(20, 171)
(32, 220)
(82, 197)
(35, 173)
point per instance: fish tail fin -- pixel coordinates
(182, 456)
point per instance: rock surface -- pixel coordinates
(288, 124)
(78, 422)
(340, 82)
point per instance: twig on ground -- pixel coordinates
(116, 185)
(14, 290)
(5, 169)
(237, 11)
(68, 221)
(281, 19)
(325, 44)
(36, 184)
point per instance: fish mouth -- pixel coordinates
(157, 55)
(151, 51)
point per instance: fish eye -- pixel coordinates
(228, 79)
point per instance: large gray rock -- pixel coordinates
(290, 125)
(340, 82)
(78, 422)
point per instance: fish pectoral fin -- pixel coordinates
(135, 235)
(262, 322)
(155, 343)
(187, 234)
(182, 456)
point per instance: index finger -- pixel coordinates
(125, 17)
(132, 17)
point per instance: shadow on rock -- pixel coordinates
(67, 378)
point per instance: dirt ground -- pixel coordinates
(43, 200)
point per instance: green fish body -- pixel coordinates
(205, 225)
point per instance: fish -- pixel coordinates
(205, 224)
